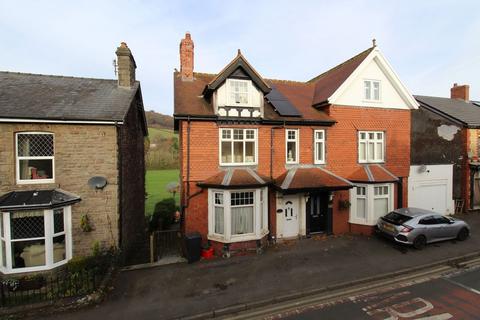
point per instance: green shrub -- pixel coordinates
(163, 214)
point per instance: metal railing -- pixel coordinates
(165, 243)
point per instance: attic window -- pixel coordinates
(238, 92)
(372, 90)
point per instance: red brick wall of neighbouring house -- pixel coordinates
(466, 170)
(362, 229)
(340, 215)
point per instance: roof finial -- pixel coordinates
(239, 52)
(374, 42)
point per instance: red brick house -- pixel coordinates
(276, 159)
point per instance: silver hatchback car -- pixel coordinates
(418, 227)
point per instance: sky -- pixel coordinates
(431, 44)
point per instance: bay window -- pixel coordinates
(369, 202)
(238, 146)
(319, 146)
(291, 145)
(237, 215)
(34, 240)
(371, 146)
(35, 157)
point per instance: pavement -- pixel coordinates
(448, 297)
(181, 290)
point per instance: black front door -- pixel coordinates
(318, 213)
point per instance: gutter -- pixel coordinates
(20, 120)
(257, 120)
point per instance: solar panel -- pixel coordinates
(281, 104)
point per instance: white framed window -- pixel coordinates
(291, 145)
(371, 146)
(319, 146)
(238, 146)
(239, 92)
(35, 240)
(35, 161)
(237, 215)
(369, 202)
(371, 90)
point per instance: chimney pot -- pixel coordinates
(126, 66)
(460, 92)
(186, 57)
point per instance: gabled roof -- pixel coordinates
(307, 178)
(238, 64)
(47, 97)
(189, 100)
(235, 178)
(329, 86)
(36, 199)
(464, 112)
(373, 173)
(328, 82)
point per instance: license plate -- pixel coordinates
(388, 227)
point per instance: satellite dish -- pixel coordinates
(422, 168)
(97, 182)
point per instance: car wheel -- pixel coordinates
(419, 242)
(463, 234)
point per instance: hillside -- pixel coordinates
(159, 120)
(163, 142)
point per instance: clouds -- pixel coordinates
(430, 44)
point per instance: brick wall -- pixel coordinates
(81, 152)
(341, 154)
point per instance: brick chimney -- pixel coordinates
(460, 92)
(186, 57)
(126, 66)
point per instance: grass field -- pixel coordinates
(157, 132)
(156, 181)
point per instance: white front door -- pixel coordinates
(290, 216)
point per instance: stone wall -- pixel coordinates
(81, 152)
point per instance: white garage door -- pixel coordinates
(430, 187)
(430, 196)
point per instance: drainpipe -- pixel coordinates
(271, 173)
(400, 193)
(187, 195)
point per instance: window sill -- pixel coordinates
(372, 162)
(238, 238)
(249, 164)
(362, 222)
(36, 181)
(33, 269)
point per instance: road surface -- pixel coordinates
(452, 297)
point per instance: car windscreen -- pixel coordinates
(396, 218)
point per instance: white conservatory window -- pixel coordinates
(238, 92)
(371, 146)
(238, 146)
(237, 215)
(35, 240)
(372, 90)
(35, 157)
(319, 146)
(369, 202)
(291, 145)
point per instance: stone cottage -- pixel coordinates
(71, 167)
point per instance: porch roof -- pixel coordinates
(310, 179)
(36, 199)
(235, 178)
(372, 173)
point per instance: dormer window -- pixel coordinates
(372, 90)
(239, 94)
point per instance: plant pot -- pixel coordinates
(207, 253)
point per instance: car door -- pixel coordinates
(429, 228)
(447, 230)
(441, 227)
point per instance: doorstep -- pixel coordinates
(162, 262)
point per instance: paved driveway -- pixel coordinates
(177, 290)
